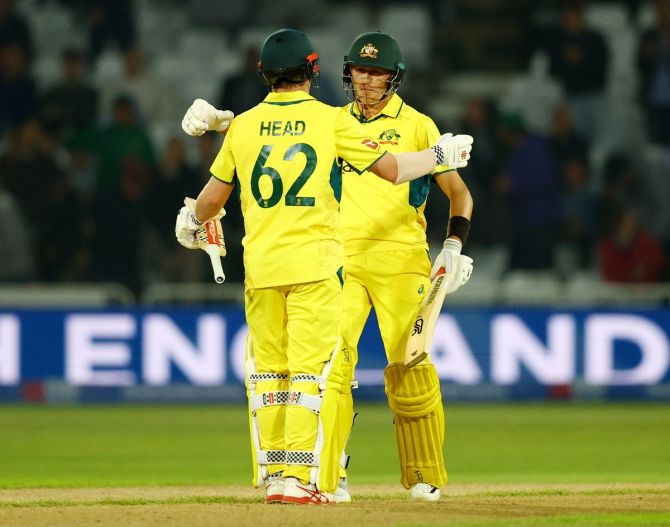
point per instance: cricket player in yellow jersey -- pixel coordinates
(387, 266)
(283, 156)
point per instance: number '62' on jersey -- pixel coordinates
(283, 154)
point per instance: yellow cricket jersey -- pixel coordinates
(375, 214)
(283, 154)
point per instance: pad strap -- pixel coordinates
(306, 400)
(302, 457)
(253, 378)
(266, 399)
(306, 377)
(270, 457)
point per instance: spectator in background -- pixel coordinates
(653, 62)
(60, 233)
(71, 105)
(110, 21)
(621, 186)
(531, 184)
(43, 191)
(28, 168)
(565, 140)
(630, 254)
(154, 102)
(16, 256)
(232, 16)
(111, 145)
(578, 59)
(18, 94)
(492, 222)
(120, 216)
(241, 91)
(176, 179)
(578, 205)
(13, 28)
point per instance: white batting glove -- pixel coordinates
(192, 233)
(456, 266)
(453, 150)
(202, 117)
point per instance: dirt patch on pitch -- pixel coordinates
(374, 505)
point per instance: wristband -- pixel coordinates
(459, 226)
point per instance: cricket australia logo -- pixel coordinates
(389, 137)
(369, 51)
(419, 476)
(418, 326)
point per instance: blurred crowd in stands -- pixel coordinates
(86, 194)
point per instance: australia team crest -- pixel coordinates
(369, 51)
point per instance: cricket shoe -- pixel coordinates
(274, 489)
(424, 492)
(305, 494)
(341, 494)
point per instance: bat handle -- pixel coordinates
(215, 257)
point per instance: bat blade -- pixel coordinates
(421, 337)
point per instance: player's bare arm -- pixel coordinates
(212, 198)
(450, 260)
(460, 199)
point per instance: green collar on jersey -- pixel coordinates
(287, 97)
(392, 109)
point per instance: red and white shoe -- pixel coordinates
(305, 494)
(274, 491)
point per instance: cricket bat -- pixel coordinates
(214, 242)
(418, 343)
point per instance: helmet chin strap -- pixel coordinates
(392, 86)
(370, 109)
(373, 108)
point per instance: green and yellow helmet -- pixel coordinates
(375, 50)
(288, 55)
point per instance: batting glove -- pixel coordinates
(202, 117)
(192, 233)
(453, 150)
(456, 266)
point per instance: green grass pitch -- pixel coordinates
(111, 446)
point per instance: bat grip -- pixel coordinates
(212, 251)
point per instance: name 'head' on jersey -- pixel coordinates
(374, 50)
(287, 58)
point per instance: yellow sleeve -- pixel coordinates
(427, 135)
(223, 167)
(353, 145)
